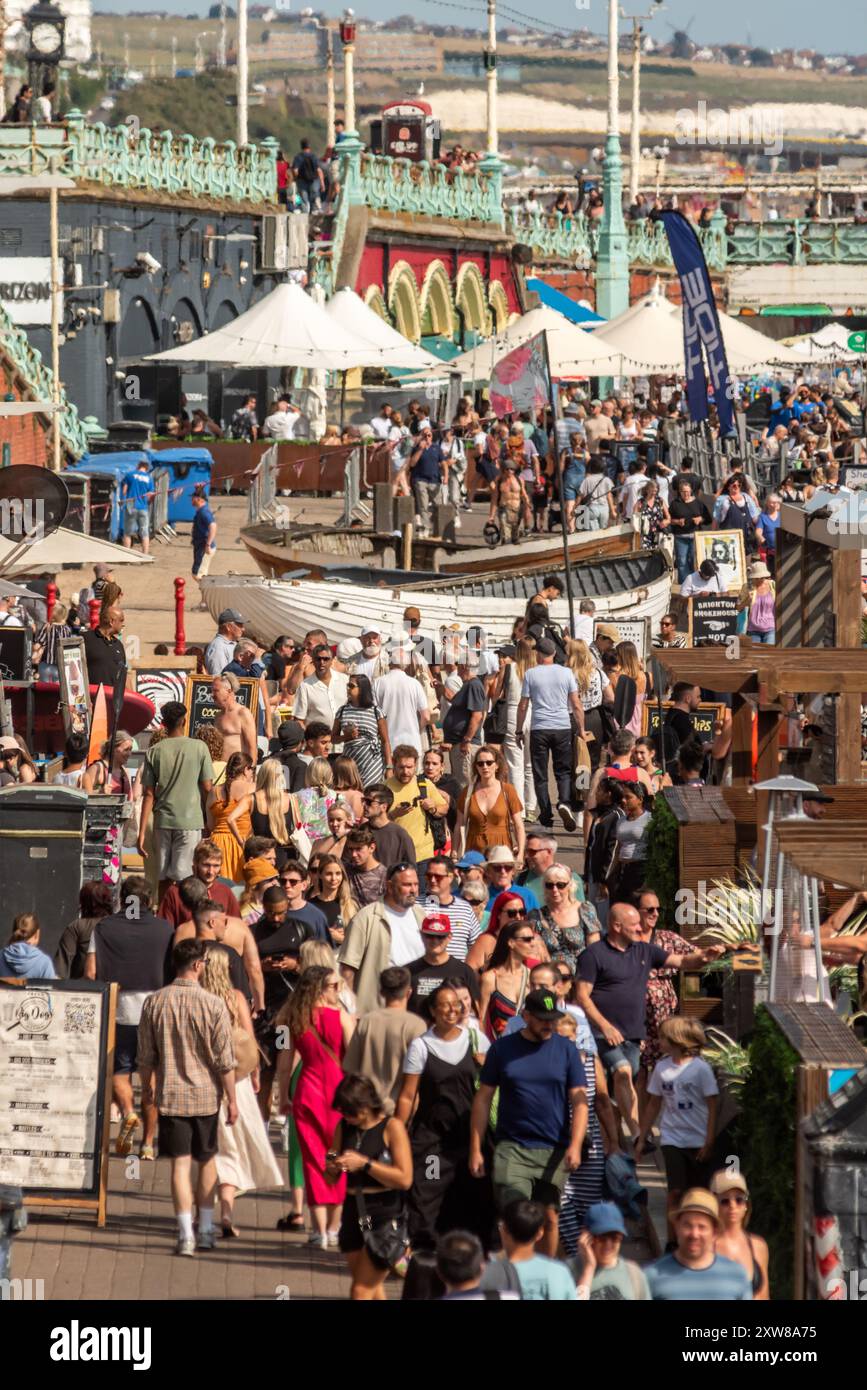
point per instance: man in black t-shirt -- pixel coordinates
(688, 514)
(436, 967)
(393, 844)
(677, 725)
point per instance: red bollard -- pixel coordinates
(180, 635)
(50, 600)
(94, 604)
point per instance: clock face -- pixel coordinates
(45, 38)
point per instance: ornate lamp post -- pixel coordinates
(612, 262)
(347, 38)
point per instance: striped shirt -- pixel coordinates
(465, 925)
(185, 1036)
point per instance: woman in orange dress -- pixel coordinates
(490, 811)
(229, 810)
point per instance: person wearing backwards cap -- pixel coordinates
(220, 651)
(694, 1272)
(734, 1240)
(436, 967)
(542, 1113)
(436, 1098)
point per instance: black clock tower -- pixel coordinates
(45, 27)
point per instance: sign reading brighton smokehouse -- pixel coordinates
(25, 288)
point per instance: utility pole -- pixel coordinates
(612, 263)
(635, 124)
(491, 80)
(56, 293)
(174, 56)
(221, 51)
(347, 38)
(243, 83)
(330, 113)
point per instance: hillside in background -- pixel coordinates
(198, 106)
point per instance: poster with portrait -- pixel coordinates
(634, 630)
(74, 686)
(161, 685)
(724, 548)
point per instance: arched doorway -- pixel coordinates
(134, 395)
(403, 301)
(471, 297)
(435, 303)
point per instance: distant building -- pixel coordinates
(78, 20)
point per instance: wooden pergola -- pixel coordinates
(758, 676)
(834, 852)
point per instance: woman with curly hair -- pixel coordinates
(210, 736)
(318, 1031)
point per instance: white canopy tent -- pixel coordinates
(351, 315)
(572, 351)
(826, 346)
(288, 329)
(64, 548)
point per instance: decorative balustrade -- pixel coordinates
(27, 361)
(161, 162)
(431, 190)
(799, 242)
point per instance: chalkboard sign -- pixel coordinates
(702, 719)
(199, 699)
(634, 630)
(56, 1051)
(713, 618)
(14, 653)
(856, 478)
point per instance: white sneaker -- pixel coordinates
(333, 1238)
(317, 1242)
(567, 815)
(206, 1240)
(186, 1246)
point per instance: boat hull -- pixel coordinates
(294, 606)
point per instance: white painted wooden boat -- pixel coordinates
(629, 586)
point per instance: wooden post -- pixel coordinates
(406, 553)
(180, 635)
(50, 599)
(742, 739)
(94, 605)
(847, 607)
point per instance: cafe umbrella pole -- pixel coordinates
(558, 473)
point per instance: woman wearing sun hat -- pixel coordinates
(761, 602)
(733, 1240)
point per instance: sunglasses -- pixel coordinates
(525, 939)
(290, 882)
(557, 883)
(512, 912)
(736, 1199)
(501, 868)
(652, 911)
(400, 868)
(485, 762)
(567, 979)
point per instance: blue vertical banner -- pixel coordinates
(701, 325)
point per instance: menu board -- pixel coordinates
(713, 619)
(54, 1040)
(702, 719)
(200, 703)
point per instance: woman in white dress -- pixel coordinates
(245, 1159)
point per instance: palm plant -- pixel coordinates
(728, 1058)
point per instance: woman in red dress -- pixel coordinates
(315, 1031)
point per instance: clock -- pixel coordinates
(46, 39)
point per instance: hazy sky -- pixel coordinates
(834, 26)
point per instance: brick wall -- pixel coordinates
(25, 435)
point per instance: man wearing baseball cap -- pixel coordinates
(694, 1272)
(221, 648)
(436, 967)
(542, 1113)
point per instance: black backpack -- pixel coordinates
(306, 170)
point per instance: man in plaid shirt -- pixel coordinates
(185, 1041)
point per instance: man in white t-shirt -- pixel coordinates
(553, 691)
(320, 696)
(632, 487)
(381, 423)
(403, 702)
(383, 933)
(282, 421)
(709, 578)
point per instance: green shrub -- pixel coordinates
(661, 874)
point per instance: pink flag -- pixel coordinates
(520, 379)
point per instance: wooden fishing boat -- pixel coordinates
(345, 598)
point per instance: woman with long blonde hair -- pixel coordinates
(330, 892)
(594, 691)
(632, 669)
(245, 1160)
(512, 673)
(320, 953)
(312, 803)
(347, 781)
(271, 813)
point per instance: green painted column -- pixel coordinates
(612, 257)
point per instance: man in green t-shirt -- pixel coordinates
(177, 777)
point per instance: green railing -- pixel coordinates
(27, 362)
(123, 157)
(572, 238)
(431, 190)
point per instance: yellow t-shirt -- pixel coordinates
(415, 821)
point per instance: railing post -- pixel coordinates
(492, 167)
(180, 635)
(74, 122)
(350, 169)
(266, 167)
(797, 248)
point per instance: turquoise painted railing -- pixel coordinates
(27, 362)
(431, 190)
(570, 237)
(164, 162)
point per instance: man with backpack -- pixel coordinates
(308, 178)
(245, 422)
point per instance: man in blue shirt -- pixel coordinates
(554, 692)
(204, 535)
(694, 1273)
(426, 476)
(499, 875)
(538, 1141)
(136, 491)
